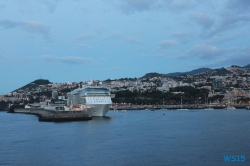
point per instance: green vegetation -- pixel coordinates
(4, 105)
(34, 84)
(190, 96)
(150, 75)
(41, 82)
(221, 72)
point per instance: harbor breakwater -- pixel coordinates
(53, 116)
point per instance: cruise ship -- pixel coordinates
(96, 100)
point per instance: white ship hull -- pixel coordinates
(96, 100)
(98, 109)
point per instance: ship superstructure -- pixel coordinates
(96, 100)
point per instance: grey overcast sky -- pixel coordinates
(76, 40)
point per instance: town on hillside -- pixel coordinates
(218, 86)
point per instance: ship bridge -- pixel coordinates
(95, 92)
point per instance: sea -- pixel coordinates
(135, 137)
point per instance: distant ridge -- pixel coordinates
(207, 71)
(247, 66)
(195, 71)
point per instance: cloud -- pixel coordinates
(130, 6)
(180, 34)
(83, 37)
(178, 5)
(25, 58)
(203, 51)
(133, 40)
(7, 24)
(229, 21)
(35, 27)
(240, 58)
(114, 35)
(240, 6)
(202, 19)
(164, 44)
(50, 4)
(235, 14)
(183, 37)
(83, 46)
(219, 39)
(28, 26)
(66, 59)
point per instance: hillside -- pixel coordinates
(247, 66)
(34, 84)
(150, 75)
(221, 72)
(192, 72)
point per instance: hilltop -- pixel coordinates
(33, 84)
(221, 72)
(150, 75)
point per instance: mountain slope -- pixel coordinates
(247, 66)
(34, 84)
(222, 71)
(192, 72)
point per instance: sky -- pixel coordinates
(76, 40)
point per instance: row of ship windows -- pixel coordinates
(98, 100)
(96, 92)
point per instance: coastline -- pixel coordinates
(173, 107)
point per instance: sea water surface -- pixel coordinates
(136, 137)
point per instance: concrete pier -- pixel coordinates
(53, 116)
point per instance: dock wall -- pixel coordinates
(53, 116)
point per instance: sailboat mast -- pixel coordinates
(181, 102)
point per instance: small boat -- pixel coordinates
(248, 107)
(230, 107)
(181, 106)
(27, 106)
(208, 107)
(123, 111)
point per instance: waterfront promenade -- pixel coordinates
(184, 106)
